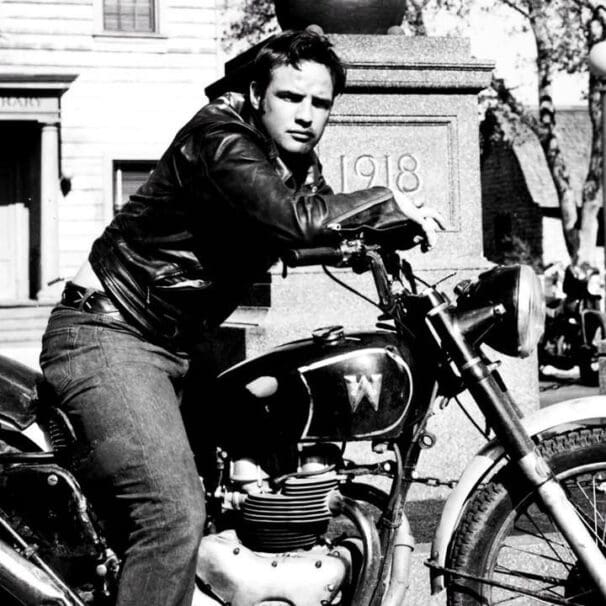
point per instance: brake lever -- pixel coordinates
(422, 241)
(406, 269)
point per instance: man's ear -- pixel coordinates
(253, 95)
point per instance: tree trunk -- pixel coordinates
(588, 232)
(548, 136)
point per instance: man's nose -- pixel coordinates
(304, 113)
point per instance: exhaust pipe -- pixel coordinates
(29, 584)
(404, 545)
(371, 561)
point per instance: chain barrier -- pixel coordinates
(433, 482)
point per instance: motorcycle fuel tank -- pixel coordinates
(334, 386)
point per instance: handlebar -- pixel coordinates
(398, 235)
(325, 255)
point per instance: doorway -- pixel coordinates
(19, 210)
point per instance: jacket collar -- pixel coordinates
(312, 178)
(238, 104)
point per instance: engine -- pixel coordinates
(274, 504)
(277, 550)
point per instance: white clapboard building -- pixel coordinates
(91, 92)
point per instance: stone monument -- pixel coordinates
(409, 120)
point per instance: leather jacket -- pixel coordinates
(212, 218)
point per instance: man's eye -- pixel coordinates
(322, 104)
(290, 97)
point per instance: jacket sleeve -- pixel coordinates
(239, 170)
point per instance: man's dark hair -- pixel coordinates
(293, 48)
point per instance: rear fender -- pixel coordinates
(542, 424)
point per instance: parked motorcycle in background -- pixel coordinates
(575, 323)
(291, 521)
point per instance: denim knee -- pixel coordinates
(194, 517)
(186, 524)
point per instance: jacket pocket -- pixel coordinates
(178, 279)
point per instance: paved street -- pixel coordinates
(554, 391)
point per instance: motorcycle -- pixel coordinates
(574, 325)
(290, 519)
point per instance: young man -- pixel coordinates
(239, 184)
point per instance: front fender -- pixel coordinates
(490, 458)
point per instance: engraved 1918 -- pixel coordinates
(400, 172)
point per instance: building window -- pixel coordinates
(128, 176)
(129, 16)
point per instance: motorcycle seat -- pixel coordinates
(19, 386)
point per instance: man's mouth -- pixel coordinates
(302, 136)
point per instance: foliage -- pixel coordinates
(253, 21)
(504, 118)
(512, 250)
(416, 11)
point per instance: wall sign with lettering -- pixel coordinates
(365, 170)
(28, 107)
(22, 103)
(417, 157)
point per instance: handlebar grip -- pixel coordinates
(325, 255)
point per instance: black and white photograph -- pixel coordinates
(302, 302)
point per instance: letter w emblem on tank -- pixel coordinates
(362, 387)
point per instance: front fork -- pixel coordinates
(504, 417)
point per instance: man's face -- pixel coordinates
(295, 107)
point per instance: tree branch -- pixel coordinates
(506, 98)
(513, 5)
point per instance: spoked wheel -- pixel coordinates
(509, 541)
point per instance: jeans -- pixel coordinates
(121, 393)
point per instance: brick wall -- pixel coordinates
(508, 211)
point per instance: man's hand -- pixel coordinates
(428, 218)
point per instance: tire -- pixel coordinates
(505, 536)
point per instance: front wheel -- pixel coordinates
(507, 539)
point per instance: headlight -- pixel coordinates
(518, 290)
